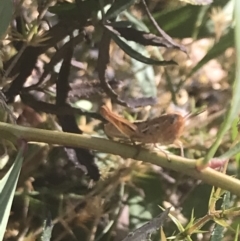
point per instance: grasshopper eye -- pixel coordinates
(173, 118)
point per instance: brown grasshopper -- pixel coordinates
(165, 129)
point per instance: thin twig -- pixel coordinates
(161, 31)
(15, 60)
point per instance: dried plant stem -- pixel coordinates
(232, 212)
(179, 164)
(14, 62)
(151, 18)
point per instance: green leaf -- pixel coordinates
(237, 233)
(135, 54)
(174, 22)
(175, 220)
(225, 42)
(6, 11)
(117, 7)
(140, 25)
(191, 221)
(235, 102)
(7, 190)
(181, 22)
(144, 38)
(230, 153)
(121, 24)
(144, 74)
(234, 129)
(235, 136)
(6, 114)
(217, 233)
(222, 222)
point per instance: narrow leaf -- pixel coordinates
(7, 189)
(175, 220)
(225, 42)
(117, 7)
(230, 153)
(136, 55)
(6, 11)
(144, 38)
(237, 233)
(221, 222)
(235, 102)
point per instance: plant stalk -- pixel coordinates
(186, 166)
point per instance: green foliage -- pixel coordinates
(136, 54)
(117, 7)
(219, 48)
(235, 103)
(7, 189)
(6, 11)
(143, 59)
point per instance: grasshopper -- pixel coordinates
(165, 129)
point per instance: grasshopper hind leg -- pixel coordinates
(180, 145)
(163, 151)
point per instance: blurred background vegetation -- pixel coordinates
(62, 60)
